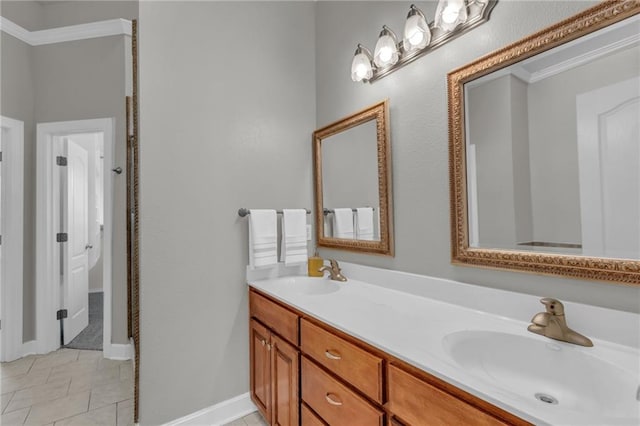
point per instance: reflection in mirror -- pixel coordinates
(544, 150)
(553, 157)
(350, 183)
(352, 162)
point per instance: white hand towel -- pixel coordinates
(293, 250)
(364, 223)
(263, 238)
(343, 223)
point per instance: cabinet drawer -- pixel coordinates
(279, 319)
(309, 418)
(357, 366)
(419, 403)
(333, 401)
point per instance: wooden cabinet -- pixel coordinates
(274, 363)
(419, 403)
(304, 372)
(356, 366)
(333, 401)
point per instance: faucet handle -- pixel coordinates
(334, 264)
(553, 306)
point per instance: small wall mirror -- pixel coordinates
(544, 143)
(352, 164)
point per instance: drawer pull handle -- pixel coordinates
(331, 399)
(332, 355)
(263, 342)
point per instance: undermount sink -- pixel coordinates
(557, 375)
(307, 285)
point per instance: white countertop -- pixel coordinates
(412, 327)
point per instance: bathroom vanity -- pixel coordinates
(379, 350)
(344, 380)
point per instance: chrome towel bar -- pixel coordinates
(242, 212)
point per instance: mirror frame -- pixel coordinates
(380, 113)
(625, 271)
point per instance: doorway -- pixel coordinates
(74, 232)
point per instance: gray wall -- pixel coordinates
(418, 102)
(17, 101)
(227, 111)
(67, 81)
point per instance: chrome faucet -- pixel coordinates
(335, 273)
(552, 324)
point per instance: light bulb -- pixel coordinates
(361, 68)
(386, 51)
(450, 14)
(417, 34)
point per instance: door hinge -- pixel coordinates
(61, 161)
(61, 314)
(0, 155)
(62, 237)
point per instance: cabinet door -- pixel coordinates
(260, 368)
(285, 370)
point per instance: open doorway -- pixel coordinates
(74, 236)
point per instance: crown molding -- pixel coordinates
(107, 28)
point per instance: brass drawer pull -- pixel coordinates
(263, 341)
(331, 399)
(332, 355)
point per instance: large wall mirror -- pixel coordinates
(352, 163)
(545, 150)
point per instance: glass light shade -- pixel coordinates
(450, 14)
(386, 52)
(417, 34)
(361, 68)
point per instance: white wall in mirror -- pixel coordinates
(546, 170)
(350, 173)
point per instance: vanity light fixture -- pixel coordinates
(386, 52)
(361, 68)
(453, 18)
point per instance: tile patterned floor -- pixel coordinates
(253, 419)
(69, 387)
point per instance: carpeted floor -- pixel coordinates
(91, 337)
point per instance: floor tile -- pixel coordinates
(32, 378)
(54, 359)
(4, 400)
(14, 418)
(111, 393)
(59, 409)
(126, 371)
(104, 363)
(254, 419)
(238, 422)
(38, 394)
(92, 379)
(73, 369)
(95, 355)
(17, 367)
(125, 413)
(105, 416)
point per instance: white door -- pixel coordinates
(609, 153)
(76, 282)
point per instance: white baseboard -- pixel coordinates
(30, 348)
(219, 414)
(118, 351)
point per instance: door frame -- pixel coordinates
(11, 275)
(48, 295)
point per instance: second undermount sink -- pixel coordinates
(307, 285)
(553, 373)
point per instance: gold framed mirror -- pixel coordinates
(539, 178)
(352, 182)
